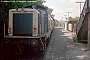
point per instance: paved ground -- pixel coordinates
(62, 47)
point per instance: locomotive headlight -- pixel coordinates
(34, 42)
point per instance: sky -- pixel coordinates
(61, 7)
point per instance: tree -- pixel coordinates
(76, 18)
(56, 22)
(50, 11)
(71, 18)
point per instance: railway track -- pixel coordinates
(38, 56)
(23, 56)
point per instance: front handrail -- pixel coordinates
(82, 15)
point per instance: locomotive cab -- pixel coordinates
(23, 22)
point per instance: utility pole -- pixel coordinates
(65, 17)
(66, 23)
(80, 5)
(68, 15)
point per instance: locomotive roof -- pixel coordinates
(35, 6)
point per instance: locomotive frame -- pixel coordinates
(38, 41)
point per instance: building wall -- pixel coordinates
(72, 25)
